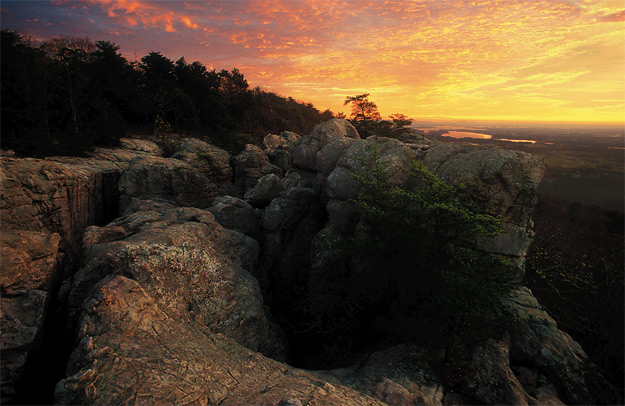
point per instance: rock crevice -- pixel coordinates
(168, 276)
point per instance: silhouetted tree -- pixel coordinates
(24, 90)
(401, 123)
(71, 94)
(364, 112)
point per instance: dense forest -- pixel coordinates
(70, 94)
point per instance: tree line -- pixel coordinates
(70, 94)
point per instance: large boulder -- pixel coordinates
(306, 148)
(266, 189)
(53, 197)
(539, 344)
(399, 375)
(236, 214)
(192, 266)
(45, 206)
(131, 351)
(250, 165)
(278, 149)
(286, 140)
(141, 145)
(213, 162)
(504, 180)
(174, 180)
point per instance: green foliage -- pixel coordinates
(422, 236)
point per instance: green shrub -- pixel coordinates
(422, 238)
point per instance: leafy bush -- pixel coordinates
(422, 237)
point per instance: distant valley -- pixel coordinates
(583, 164)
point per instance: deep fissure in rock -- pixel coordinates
(46, 364)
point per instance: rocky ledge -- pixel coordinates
(133, 278)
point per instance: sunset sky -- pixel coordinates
(532, 60)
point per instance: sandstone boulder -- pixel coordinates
(189, 264)
(213, 162)
(250, 165)
(266, 189)
(505, 180)
(540, 344)
(51, 197)
(30, 268)
(278, 149)
(284, 212)
(400, 375)
(28, 260)
(285, 140)
(236, 214)
(130, 351)
(306, 148)
(171, 179)
(137, 144)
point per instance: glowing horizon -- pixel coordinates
(480, 60)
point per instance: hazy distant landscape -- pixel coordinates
(583, 164)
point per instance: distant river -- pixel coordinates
(466, 134)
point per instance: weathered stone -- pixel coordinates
(284, 212)
(212, 162)
(493, 382)
(190, 264)
(538, 342)
(132, 352)
(301, 179)
(236, 214)
(330, 154)
(400, 375)
(285, 140)
(52, 197)
(280, 158)
(250, 165)
(28, 260)
(172, 179)
(30, 268)
(343, 215)
(136, 144)
(45, 206)
(21, 318)
(306, 148)
(266, 189)
(506, 180)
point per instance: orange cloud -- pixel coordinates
(521, 59)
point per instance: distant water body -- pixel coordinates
(480, 136)
(466, 134)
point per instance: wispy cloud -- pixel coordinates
(487, 58)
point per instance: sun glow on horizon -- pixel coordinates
(501, 60)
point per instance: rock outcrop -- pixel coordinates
(45, 206)
(167, 300)
(192, 266)
(131, 351)
(196, 163)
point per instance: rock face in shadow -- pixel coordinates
(193, 176)
(163, 301)
(45, 206)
